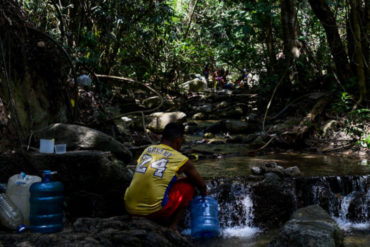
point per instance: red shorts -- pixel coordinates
(180, 195)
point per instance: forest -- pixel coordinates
(287, 48)
(279, 82)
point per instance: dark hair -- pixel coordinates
(173, 131)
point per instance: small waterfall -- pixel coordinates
(361, 210)
(245, 229)
(235, 207)
(347, 199)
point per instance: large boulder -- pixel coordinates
(160, 119)
(273, 190)
(96, 232)
(94, 182)
(79, 137)
(309, 227)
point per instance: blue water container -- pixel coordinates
(204, 217)
(46, 205)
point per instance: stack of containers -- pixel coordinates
(32, 202)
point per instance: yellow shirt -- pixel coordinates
(155, 173)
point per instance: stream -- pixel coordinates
(340, 184)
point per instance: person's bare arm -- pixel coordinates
(194, 176)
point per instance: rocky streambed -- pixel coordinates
(95, 171)
(251, 205)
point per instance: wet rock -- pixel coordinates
(272, 190)
(329, 126)
(199, 116)
(94, 183)
(359, 208)
(273, 167)
(204, 108)
(256, 170)
(223, 104)
(309, 227)
(109, 232)
(81, 137)
(236, 139)
(208, 135)
(161, 119)
(251, 117)
(292, 171)
(216, 127)
(151, 102)
(195, 85)
(123, 127)
(230, 192)
(272, 179)
(191, 128)
(232, 112)
(236, 126)
(316, 190)
(217, 141)
(276, 169)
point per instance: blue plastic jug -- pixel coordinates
(204, 217)
(46, 205)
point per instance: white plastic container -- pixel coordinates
(60, 148)
(10, 216)
(18, 191)
(47, 146)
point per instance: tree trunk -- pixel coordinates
(327, 19)
(358, 58)
(367, 39)
(290, 34)
(269, 38)
(33, 85)
(350, 43)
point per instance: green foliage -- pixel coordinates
(361, 115)
(365, 141)
(357, 122)
(162, 42)
(344, 103)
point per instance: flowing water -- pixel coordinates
(309, 164)
(344, 181)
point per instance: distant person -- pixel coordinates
(244, 74)
(215, 79)
(225, 83)
(206, 72)
(242, 81)
(221, 75)
(156, 191)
